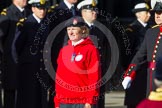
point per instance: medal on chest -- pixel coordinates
(77, 57)
(73, 57)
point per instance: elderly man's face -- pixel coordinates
(144, 16)
(158, 17)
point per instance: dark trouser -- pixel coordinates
(75, 106)
(101, 98)
(131, 106)
(101, 101)
(9, 98)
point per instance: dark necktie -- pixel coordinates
(93, 35)
(91, 27)
(73, 11)
(92, 30)
(23, 13)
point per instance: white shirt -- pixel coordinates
(21, 9)
(89, 24)
(38, 19)
(76, 43)
(144, 24)
(68, 4)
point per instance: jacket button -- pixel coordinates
(159, 37)
(46, 51)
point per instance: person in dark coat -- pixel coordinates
(136, 31)
(88, 10)
(32, 81)
(147, 55)
(155, 97)
(65, 10)
(8, 19)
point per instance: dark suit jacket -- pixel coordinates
(136, 32)
(7, 32)
(30, 62)
(60, 14)
(101, 42)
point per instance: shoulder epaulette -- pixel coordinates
(21, 22)
(4, 12)
(155, 26)
(129, 29)
(51, 8)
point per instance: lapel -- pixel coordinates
(63, 6)
(34, 23)
(93, 35)
(16, 11)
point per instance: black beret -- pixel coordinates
(75, 22)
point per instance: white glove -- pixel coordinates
(127, 82)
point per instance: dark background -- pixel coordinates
(120, 8)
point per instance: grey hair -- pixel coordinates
(85, 31)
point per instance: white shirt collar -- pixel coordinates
(38, 19)
(21, 9)
(89, 24)
(68, 4)
(76, 43)
(144, 24)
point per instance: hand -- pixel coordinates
(87, 105)
(127, 82)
